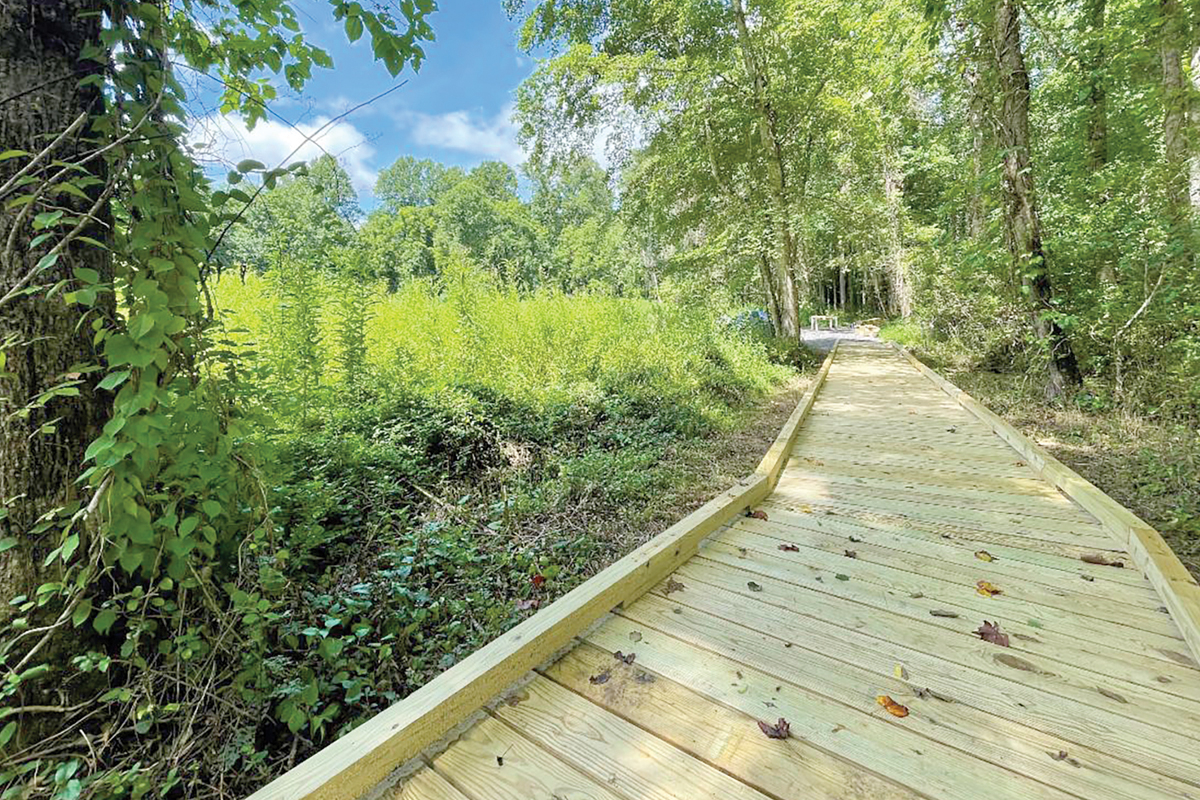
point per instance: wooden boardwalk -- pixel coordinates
(859, 580)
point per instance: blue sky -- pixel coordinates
(455, 110)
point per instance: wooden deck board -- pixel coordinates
(1096, 698)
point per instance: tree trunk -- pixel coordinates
(976, 106)
(1021, 210)
(893, 188)
(1093, 64)
(785, 255)
(1175, 140)
(44, 339)
(1194, 111)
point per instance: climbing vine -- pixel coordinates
(154, 588)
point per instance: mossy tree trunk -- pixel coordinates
(44, 339)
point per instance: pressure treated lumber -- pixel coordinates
(1179, 590)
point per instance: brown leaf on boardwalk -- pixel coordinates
(1018, 463)
(780, 730)
(941, 612)
(596, 680)
(1062, 755)
(1101, 560)
(988, 589)
(752, 586)
(760, 514)
(891, 706)
(625, 659)
(854, 538)
(851, 553)
(807, 509)
(673, 586)
(990, 632)
(789, 548)
(984, 555)
(926, 693)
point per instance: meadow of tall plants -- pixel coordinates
(438, 463)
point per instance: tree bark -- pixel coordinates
(44, 338)
(1021, 209)
(976, 106)
(1175, 139)
(893, 188)
(1093, 64)
(785, 255)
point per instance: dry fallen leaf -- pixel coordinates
(752, 586)
(807, 509)
(626, 659)
(842, 577)
(538, 580)
(891, 706)
(988, 589)
(673, 586)
(984, 555)
(1097, 558)
(854, 539)
(780, 730)
(789, 548)
(939, 612)
(644, 677)
(851, 554)
(1062, 755)
(900, 672)
(525, 605)
(760, 514)
(990, 632)
(596, 680)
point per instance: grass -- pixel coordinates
(445, 460)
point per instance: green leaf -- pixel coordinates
(104, 620)
(82, 612)
(8, 543)
(250, 165)
(354, 28)
(87, 274)
(7, 732)
(211, 507)
(7, 154)
(114, 379)
(70, 546)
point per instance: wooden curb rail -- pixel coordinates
(1153, 556)
(353, 765)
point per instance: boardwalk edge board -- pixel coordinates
(777, 457)
(1179, 591)
(353, 765)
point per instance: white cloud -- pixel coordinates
(224, 139)
(491, 138)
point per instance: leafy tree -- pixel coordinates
(304, 219)
(415, 182)
(497, 179)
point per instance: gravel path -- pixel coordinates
(822, 341)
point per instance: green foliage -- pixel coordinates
(156, 571)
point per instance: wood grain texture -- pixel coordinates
(1179, 590)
